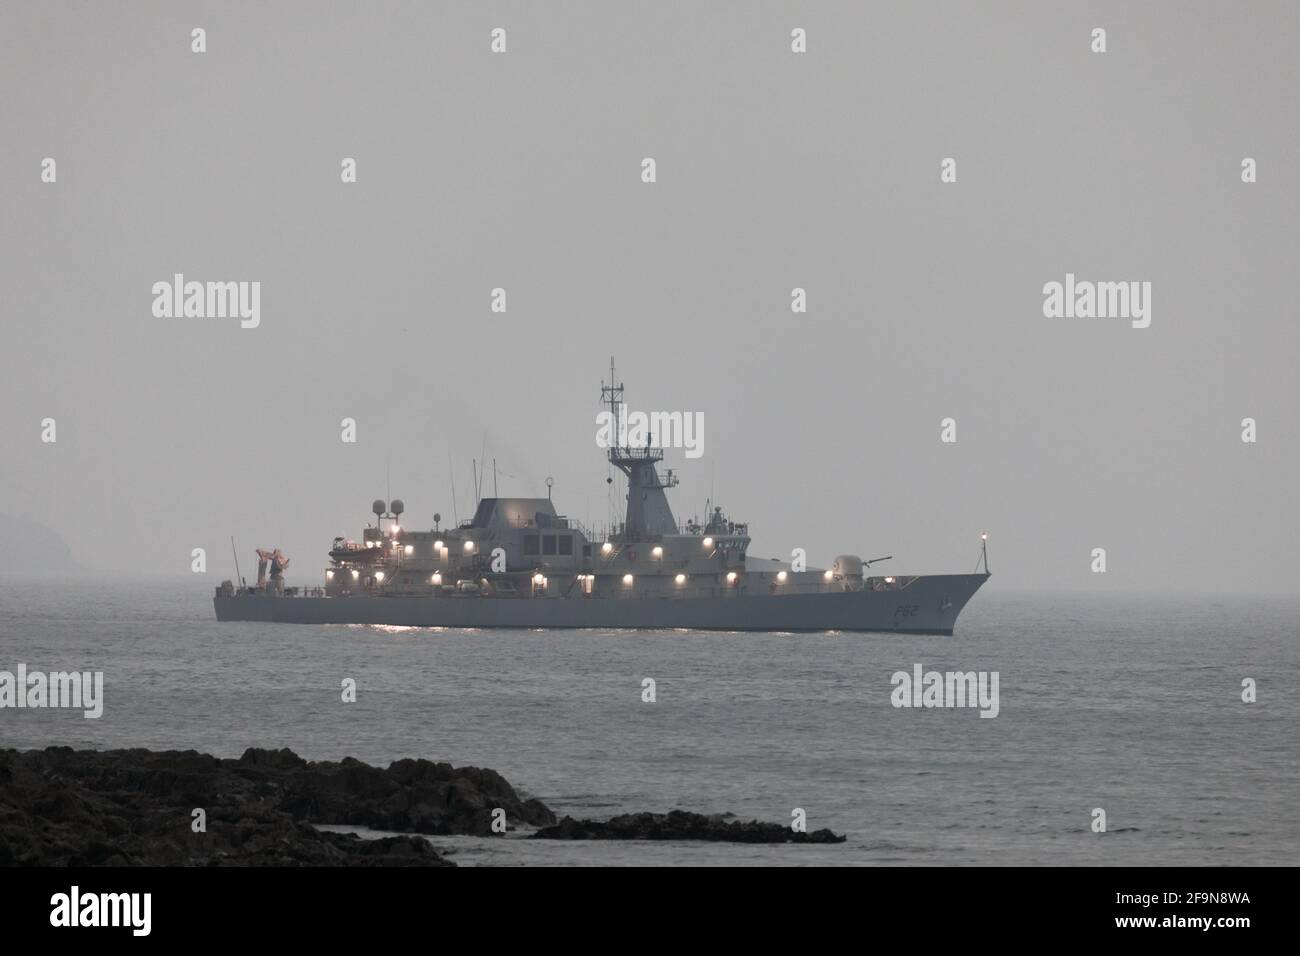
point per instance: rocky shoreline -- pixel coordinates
(65, 807)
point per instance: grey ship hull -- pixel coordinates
(928, 605)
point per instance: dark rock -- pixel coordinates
(282, 759)
(680, 825)
(61, 807)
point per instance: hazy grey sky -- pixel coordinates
(775, 170)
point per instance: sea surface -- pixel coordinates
(1131, 704)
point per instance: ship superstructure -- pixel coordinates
(519, 563)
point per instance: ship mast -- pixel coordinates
(612, 395)
(648, 513)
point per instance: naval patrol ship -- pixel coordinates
(519, 563)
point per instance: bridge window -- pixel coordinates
(530, 544)
(566, 544)
(548, 544)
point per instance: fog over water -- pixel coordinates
(775, 171)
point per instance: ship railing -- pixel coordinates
(556, 523)
(643, 452)
(739, 529)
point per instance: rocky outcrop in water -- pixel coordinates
(680, 825)
(65, 807)
(61, 807)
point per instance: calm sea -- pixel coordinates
(1131, 704)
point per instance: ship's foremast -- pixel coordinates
(648, 512)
